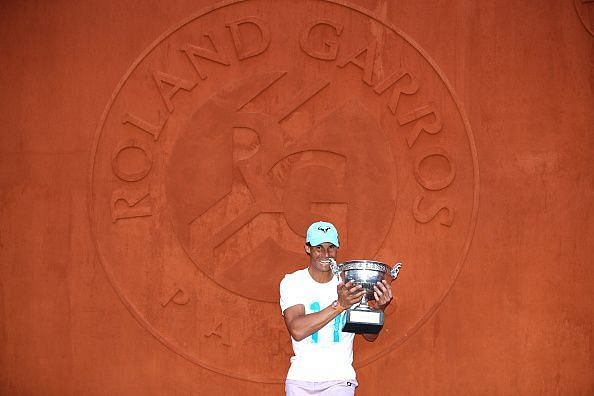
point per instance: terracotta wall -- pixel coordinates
(160, 162)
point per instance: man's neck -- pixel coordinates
(320, 277)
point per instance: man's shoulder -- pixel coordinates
(300, 273)
(295, 276)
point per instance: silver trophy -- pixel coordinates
(361, 318)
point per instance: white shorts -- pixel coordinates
(325, 388)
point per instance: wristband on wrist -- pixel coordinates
(337, 307)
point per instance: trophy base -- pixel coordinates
(363, 322)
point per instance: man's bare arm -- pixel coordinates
(302, 325)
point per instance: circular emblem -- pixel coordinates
(237, 129)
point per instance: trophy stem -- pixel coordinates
(363, 305)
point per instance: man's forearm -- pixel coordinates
(305, 325)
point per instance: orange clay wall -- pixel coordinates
(161, 161)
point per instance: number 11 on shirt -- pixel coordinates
(315, 307)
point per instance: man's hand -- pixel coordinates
(382, 292)
(349, 294)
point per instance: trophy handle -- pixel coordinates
(334, 267)
(395, 270)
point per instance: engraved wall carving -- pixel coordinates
(246, 133)
(585, 11)
(159, 162)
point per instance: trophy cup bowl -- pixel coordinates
(361, 318)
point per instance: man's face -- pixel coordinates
(319, 255)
